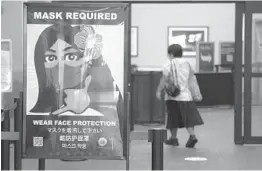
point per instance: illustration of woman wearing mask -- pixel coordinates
(74, 80)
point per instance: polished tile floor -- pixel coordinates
(215, 144)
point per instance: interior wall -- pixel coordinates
(153, 21)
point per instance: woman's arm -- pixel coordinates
(163, 79)
(161, 84)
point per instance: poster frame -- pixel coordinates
(188, 28)
(220, 45)
(136, 53)
(197, 53)
(257, 42)
(127, 74)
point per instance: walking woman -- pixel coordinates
(180, 104)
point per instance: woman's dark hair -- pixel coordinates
(175, 50)
(47, 101)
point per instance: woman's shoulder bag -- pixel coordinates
(171, 87)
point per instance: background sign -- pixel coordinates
(187, 37)
(227, 53)
(134, 41)
(205, 56)
(6, 65)
(6, 75)
(74, 81)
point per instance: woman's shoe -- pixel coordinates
(173, 142)
(191, 142)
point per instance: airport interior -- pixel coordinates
(229, 77)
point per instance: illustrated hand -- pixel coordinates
(77, 100)
(89, 54)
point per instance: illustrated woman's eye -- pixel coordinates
(50, 58)
(72, 57)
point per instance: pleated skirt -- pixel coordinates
(182, 114)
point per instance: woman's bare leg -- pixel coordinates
(192, 139)
(173, 132)
(173, 139)
(191, 131)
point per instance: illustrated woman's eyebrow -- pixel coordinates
(67, 48)
(51, 50)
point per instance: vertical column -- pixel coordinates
(41, 164)
(157, 136)
(5, 144)
(18, 128)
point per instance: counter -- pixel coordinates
(217, 89)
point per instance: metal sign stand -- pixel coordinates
(128, 132)
(18, 127)
(12, 137)
(5, 144)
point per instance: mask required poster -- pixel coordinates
(74, 89)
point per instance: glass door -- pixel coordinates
(253, 73)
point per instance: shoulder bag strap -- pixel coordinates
(172, 70)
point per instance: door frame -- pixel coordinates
(243, 122)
